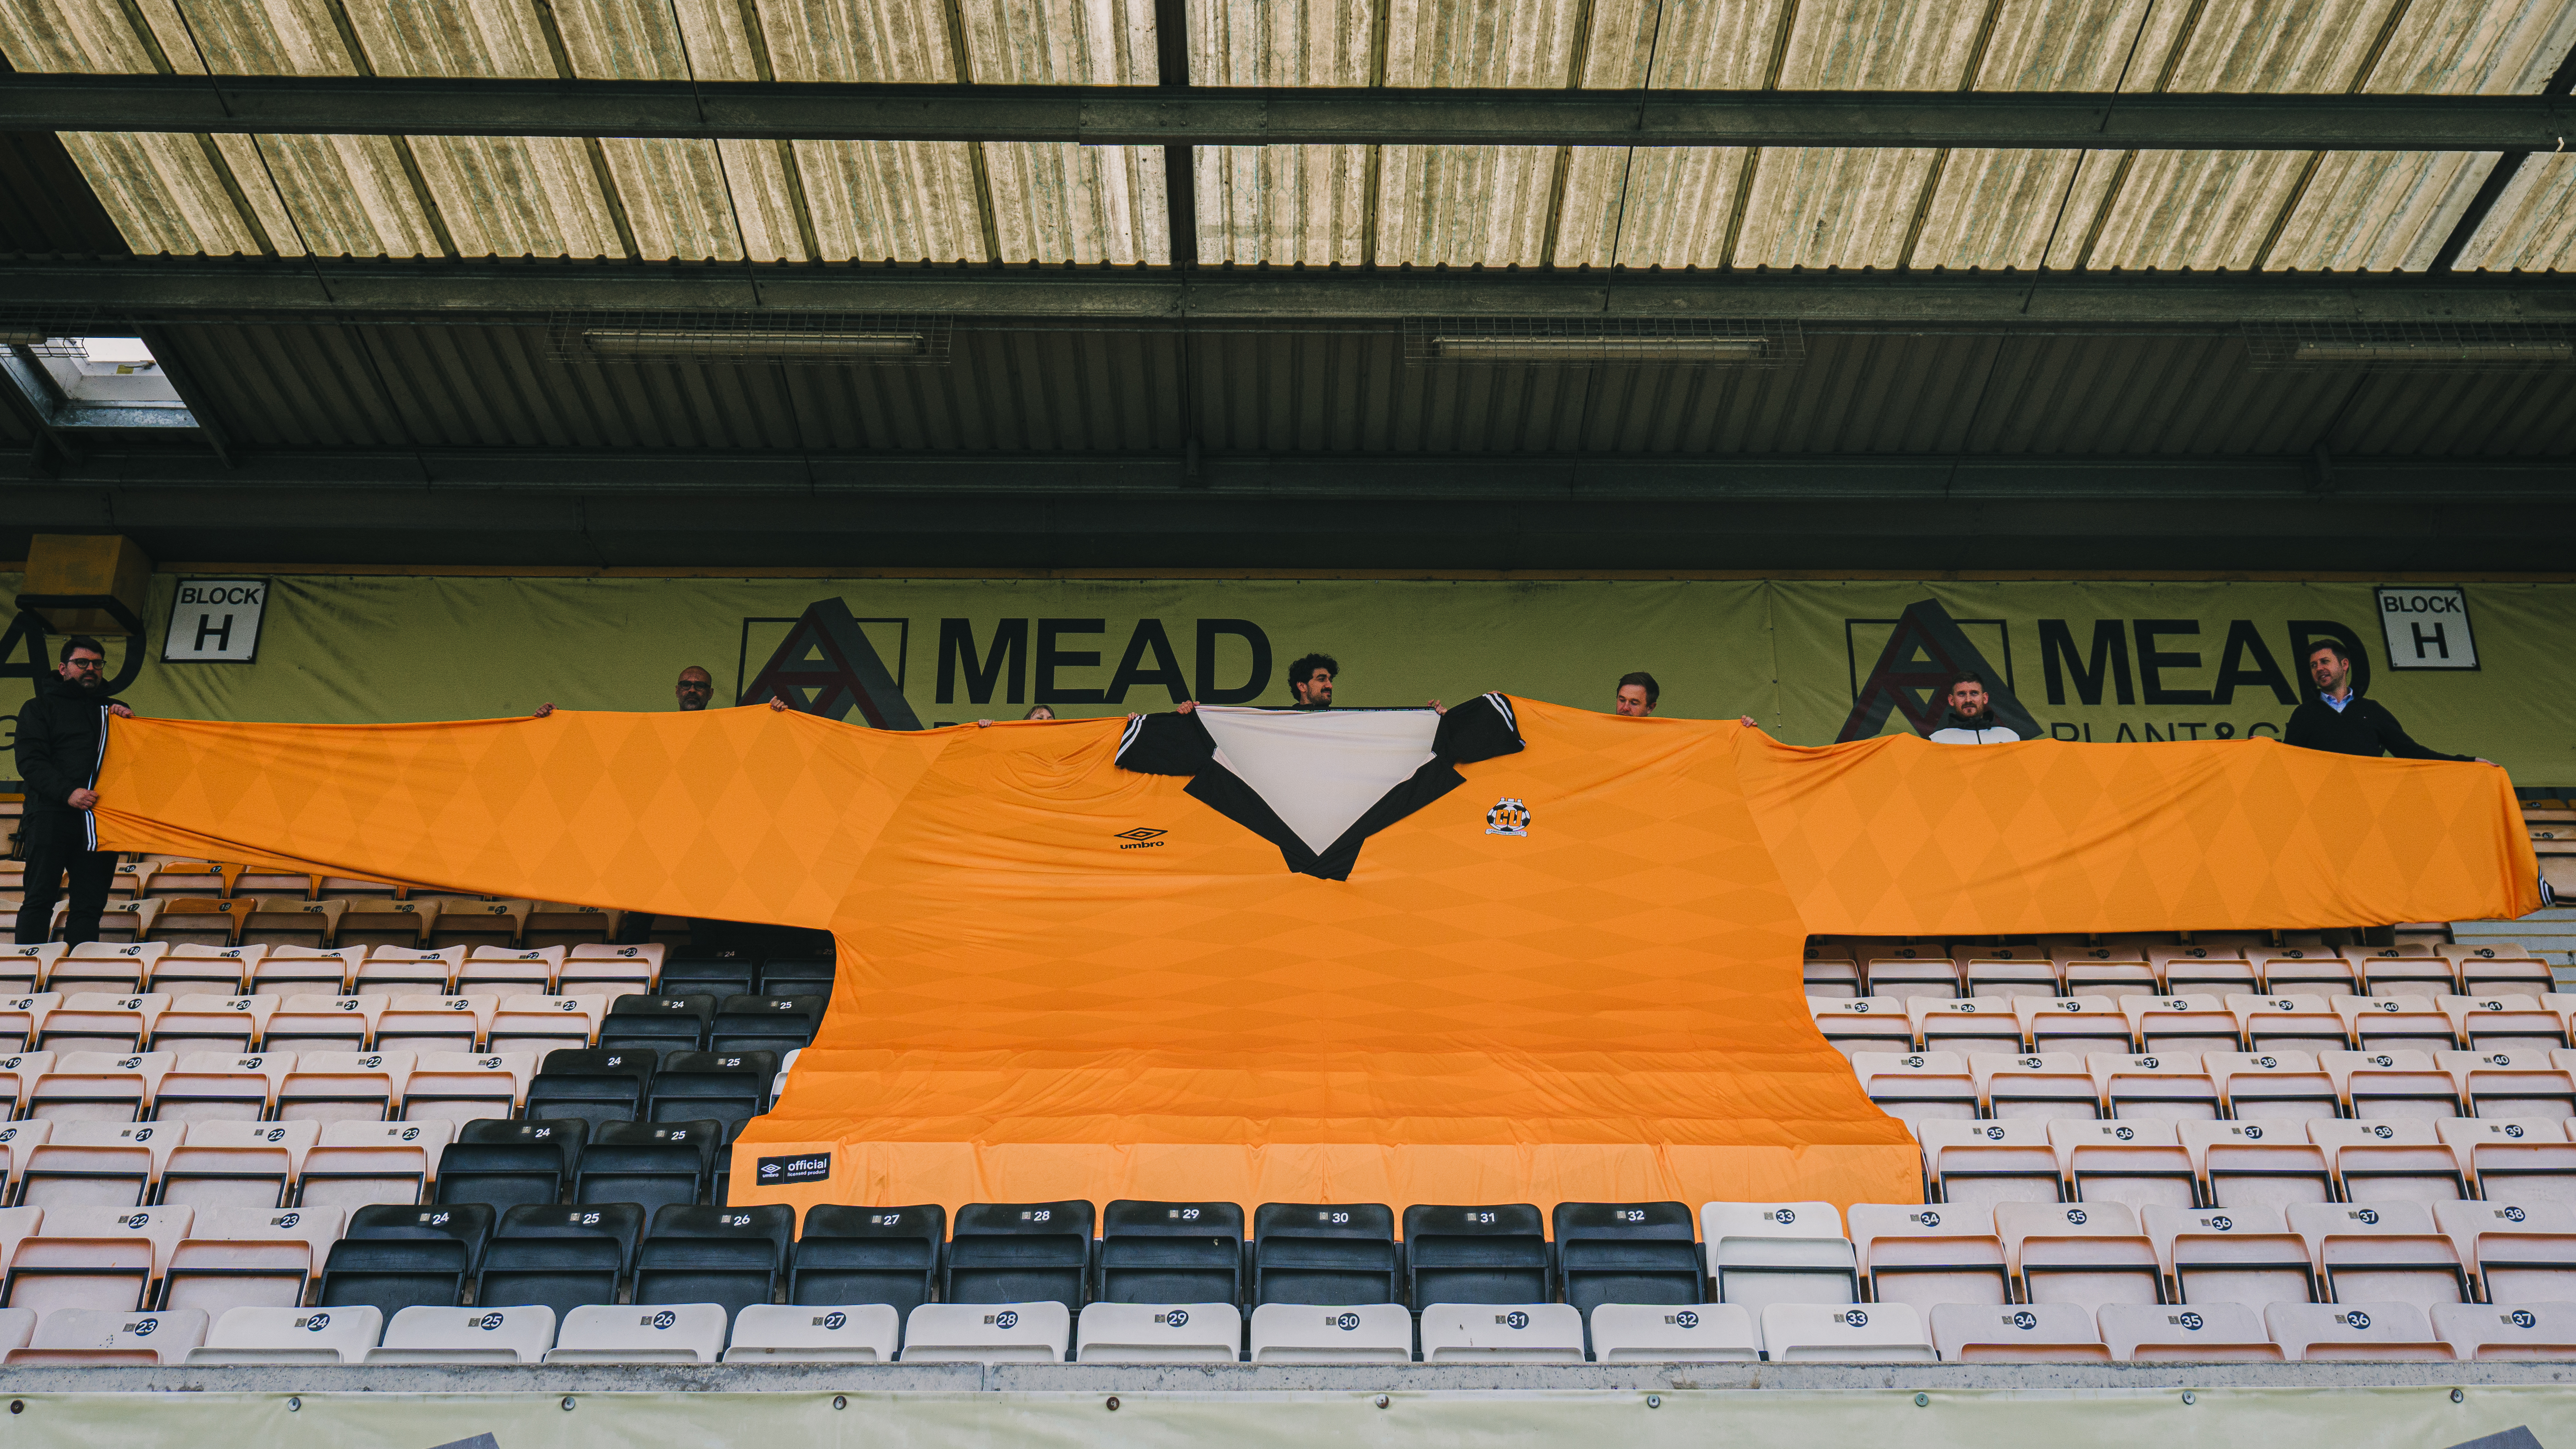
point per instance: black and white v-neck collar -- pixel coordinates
(1181, 744)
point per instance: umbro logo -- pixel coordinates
(1143, 837)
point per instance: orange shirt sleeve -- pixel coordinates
(1900, 836)
(739, 814)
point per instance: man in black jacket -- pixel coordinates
(2343, 722)
(60, 734)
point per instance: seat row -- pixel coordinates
(157, 967)
(2236, 1023)
(625, 1084)
(2279, 1085)
(297, 920)
(2378, 972)
(489, 1021)
(2246, 1163)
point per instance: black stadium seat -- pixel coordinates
(868, 1255)
(394, 1258)
(731, 1256)
(779, 1024)
(1484, 1254)
(711, 971)
(504, 1164)
(653, 1164)
(1019, 1252)
(732, 1087)
(798, 976)
(593, 1086)
(1324, 1253)
(560, 1257)
(1170, 1252)
(662, 1023)
(1628, 1252)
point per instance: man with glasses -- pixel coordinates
(61, 733)
(695, 689)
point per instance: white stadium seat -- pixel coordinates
(2390, 1161)
(1303, 1333)
(251, 1335)
(238, 1164)
(1655, 1333)
(2520, 1252)
(1845, 1333)
(2381, 1252)
(2481, 1332)
(2085, 1253)
(851, 1333)
(2355, 1332)
(1930, 1253)
(2514, 1158)
(2243, 1255)
(1159, 1333)
(2017, 1333)
(1778, 1252)
(641, 1333)
(2043, 1085)
(988, 1333)
(2141, 1163)
(2251, 1164)
(1984, 1164)
(2187, 1333)
(424, 1334)
(1501, 1333)
(95, 1336)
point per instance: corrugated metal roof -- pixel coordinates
(1114, 391)
(1341, 205)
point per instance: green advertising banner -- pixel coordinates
(2478, 668)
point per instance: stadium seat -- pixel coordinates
(2517, 1024)
(208, 1086)
(197, 921)
(1018, 1253)
(729, 1087)
(2381, 1252)
(2257, 1164)
(96, 1164)
(2274, 1086)
(93, 1257)
(1981, 1164)
(2239, 1255)
(2140, 1163)
(331, 1086)
(2395, 1024)
(1640, 1254)
(306, 1023)
(798, 976)
(2178, 1025)
(2035, 1085)
(2390, 1161)
(362, 1164)
(234, 1257)
(668, 1024)
(464, 923)
(2299, 971)
(382, 923)
(1919, 1086)
(2393, 1084)
(1171, 1333)
(2221, 976)
(22, 1017)
(204, 970)
(2287, 1024)
(292, 971)
(246, 1336)
(493, 970)
(398, 1257)
(2079, 1024)
(231, 1024)
(285, 920)
(100, 968)
(2512, 1160)
(1930, 1254)
(1501, 1333)
(1831, 979)
(2505, 976)
(2089, 1254)
(1930, 978)
(1360, 1333)
(462, 1086)
(2169, 1086)
(425, 1024)
(594, 966)
(2519, 1083)
(1968, 1024)
(2517, 1252)
(97, 1337)
(1654, 1333)
(439, 1334)
(1169, 1253)
(712, 972)
(855, 1256)
(23, 968)
(393, 971)
(1325, 1254)
(561, 1257)
(18, 1075)
(559, 925)
(237, 1164)
(2384, 972)
(776, 1024)
(847, 1333)
(597, 1087)
(2017, 1333)
(504, 1164)
(1769, 1253)
(728, 1256)
(642, 1333)
(2198, 1333)
(652, 1164)
(91, 1086)
(545, 1024)
(1832, 1333)
(92, 1022)
(2004, 980)
(2355, 1332)
(1864, 1024)
(2488, 1332)
(2116, 980)
(1496, 1253)
(1036, 1331)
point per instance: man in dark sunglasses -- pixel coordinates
(61, 733)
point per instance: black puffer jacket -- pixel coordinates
(59, 734)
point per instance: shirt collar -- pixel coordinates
(2337, 705)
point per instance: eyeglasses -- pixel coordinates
(693, 687)
(91, 666)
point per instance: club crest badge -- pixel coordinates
(1508, 817)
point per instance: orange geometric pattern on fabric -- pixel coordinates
(1060, 979)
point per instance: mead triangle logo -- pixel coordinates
(826, 666)
(1913, 674)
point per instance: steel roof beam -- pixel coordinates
(145, 290)
(1248, 116)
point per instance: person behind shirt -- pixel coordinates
(695, 689)
(2342, 722)
(60, 734)
(1638, 693)
(1971, 718)
(1310, 685)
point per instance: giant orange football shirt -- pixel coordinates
(1038, 1000)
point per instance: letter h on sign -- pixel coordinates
(2427, 628)
(215, 621)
